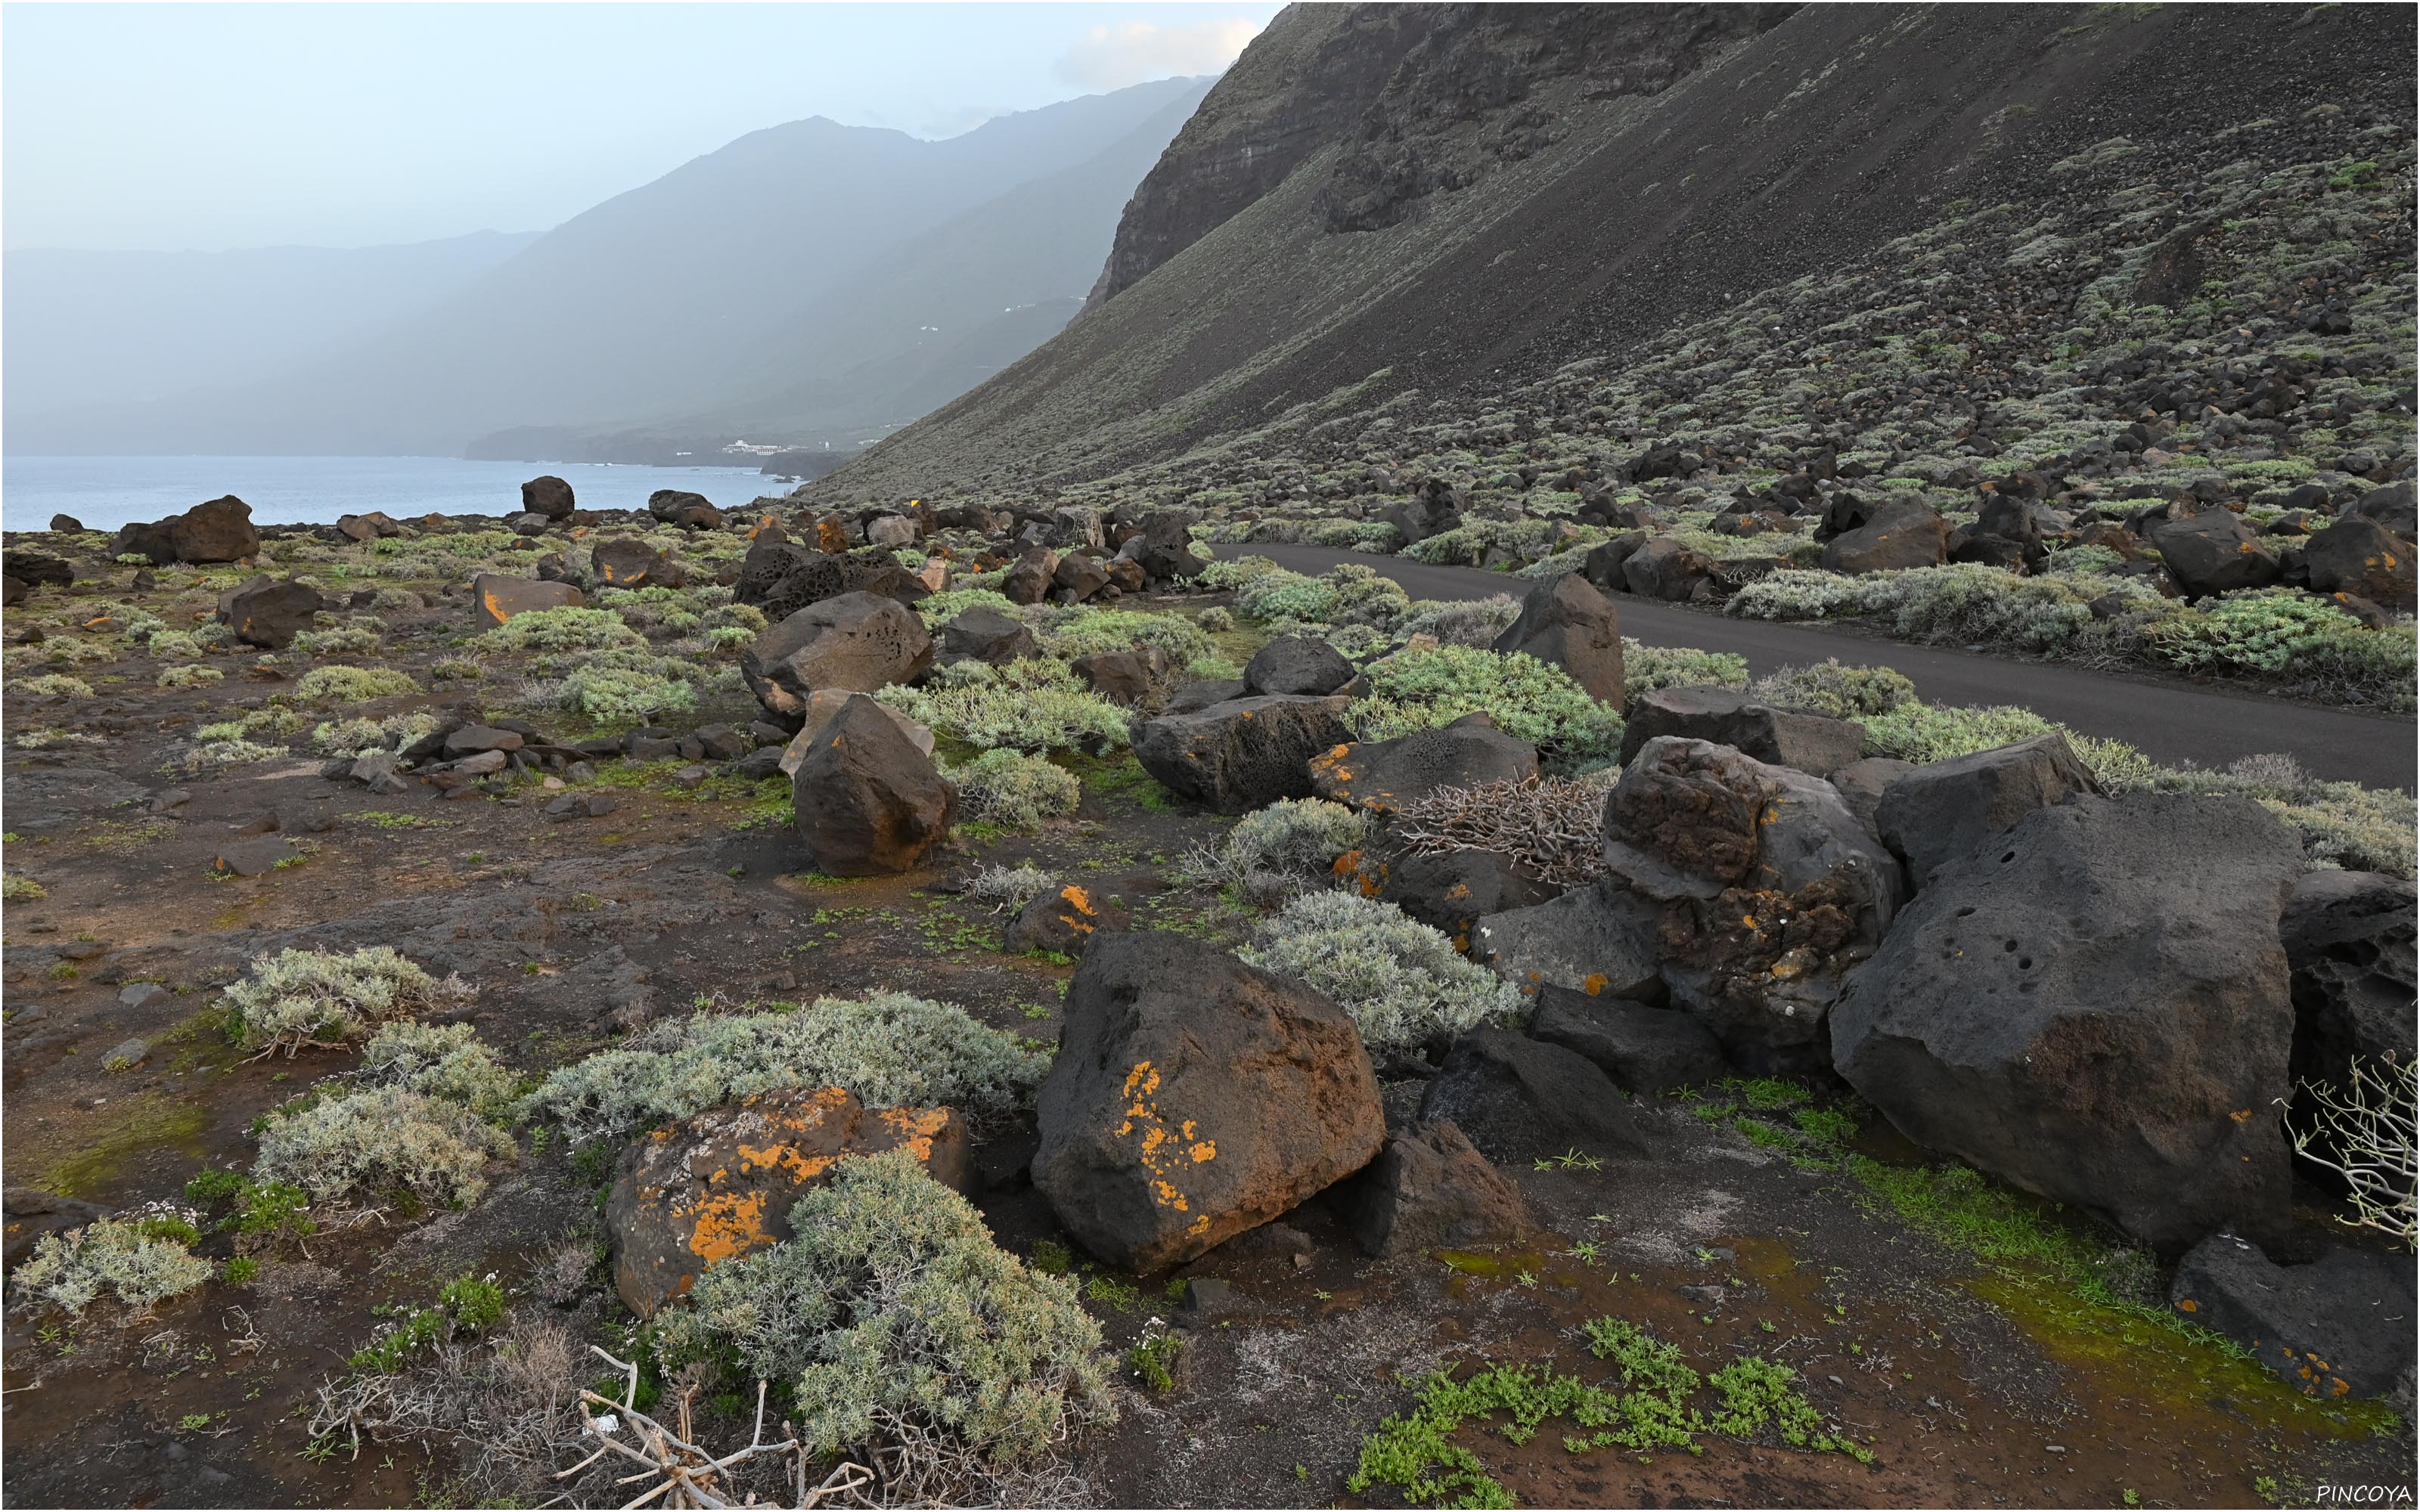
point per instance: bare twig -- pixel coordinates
(2367, 1135)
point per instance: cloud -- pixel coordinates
(1113, 57)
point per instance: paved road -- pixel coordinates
(2168, 719)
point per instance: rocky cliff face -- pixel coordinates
(1420, 100)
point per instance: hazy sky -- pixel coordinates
(213, 126)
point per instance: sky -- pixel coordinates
(205, 126)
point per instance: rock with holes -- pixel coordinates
(2340, 1326)
(1772, 888)
(1944, 810)
(1519, 1099)
(1430, 1188)
(857, 641)
(2094, 1009)
(2349, 938)
(1813, 743)
(1379, 775)
(1194, 1097)
(1646, 1050)
(1597, 940)
(499, 599)
(1245, 753)
(721, 1183)
(1566, 623)
(867, 801)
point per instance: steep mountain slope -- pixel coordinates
(641, 307)
(1538, 185)
(96, 327)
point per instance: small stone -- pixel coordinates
(127, 1055)
(252, 857)
(144, 995)
(601, 804)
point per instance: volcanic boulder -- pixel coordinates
(1296, 664)
(1646, 1050)
(2213, 552)
(268, 612)
(1943, 812)
(2357, 555)
(2094, 1008)
(858, 641)
(219, 531)
(1813, 742)
(1243, 754)
(720, 1184)
(868, 801)
(1194, 1097)
(1905, 533)
(501, 598)
(2340, 1326)
(1518, 1099)
(630, 562)
(1430, 1188)
(547, 495)
(1380, 775)
(1566, 623)
(981, 632)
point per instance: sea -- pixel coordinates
(105, 492)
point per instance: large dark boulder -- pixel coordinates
(1449, 892)
(1596, 940)
(1296, 664)
(2340, 1326)
(2094, 1008)
(1772, 890)
(2357, 555)
(2348, 939)
(982, 632)
(269, 612)
(1194, 1097)
(1901, 533)
(219, 531)
(548, 495)
(1603, 563)
(1566, 623)
(1243, 754)
(2212, 552)
(1031, 577)
(1646, 1050)
(1165, 548)
(1663, 568)
(36, 570)
(721, 1183)
(1381, 774)
(1813, 742)
(868, 801)
(1435, 509)
(780, 577)
(858, 641)
(1518, 1099)
(1942, 811)
(692, 511)
(2392, 506)
(630, 562)
(1077, 578)
(1430, 1189)
(1862, 783)
(500, 597)
(1123, 677)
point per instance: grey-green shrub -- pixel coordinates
(889, 1048)
(352, 685)
(140, 1264)
(440, 1061)
(316, 997)
(1014, 790)
(1426, 687)
(1403, 983)
(561, 629)
(899, 1324)
(369, 1142)
(1831, 688)
(1035, 704)
(1275, 852)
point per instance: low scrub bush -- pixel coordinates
(561, 629)
(1829, 687)
(1030, 706)
(2342, 824)
(190, 676)
(1475, 622)
(52, 686)
(1403, 983)
(1431, 687)
(1275, 852)
(1645, 668)
(358, 736)
(352, 685)
(1014, 790)
(2282, 633)
(1922, 734)
(900, 1326)
(624, 695)
(314, 998)
(889, 1048)
(140, 1261)
(371, 1142)
(357, 637)
(1007, 888)
(1068, 634)
(941, 609)
(440, 1061)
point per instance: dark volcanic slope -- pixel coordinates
(1531, 210)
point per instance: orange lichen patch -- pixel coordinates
(916, 1129)
(98, 621)
(1162, 1151)
(1595, 983)
(2186, 1304)
(2241, 1115)
(729, 1224)
(800, 1164)
(1346, 864)
(1078, 898)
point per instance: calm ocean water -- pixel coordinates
(105, 492)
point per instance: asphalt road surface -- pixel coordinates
(2168, 719)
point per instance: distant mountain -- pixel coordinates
(791, 267)
(96, 327)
